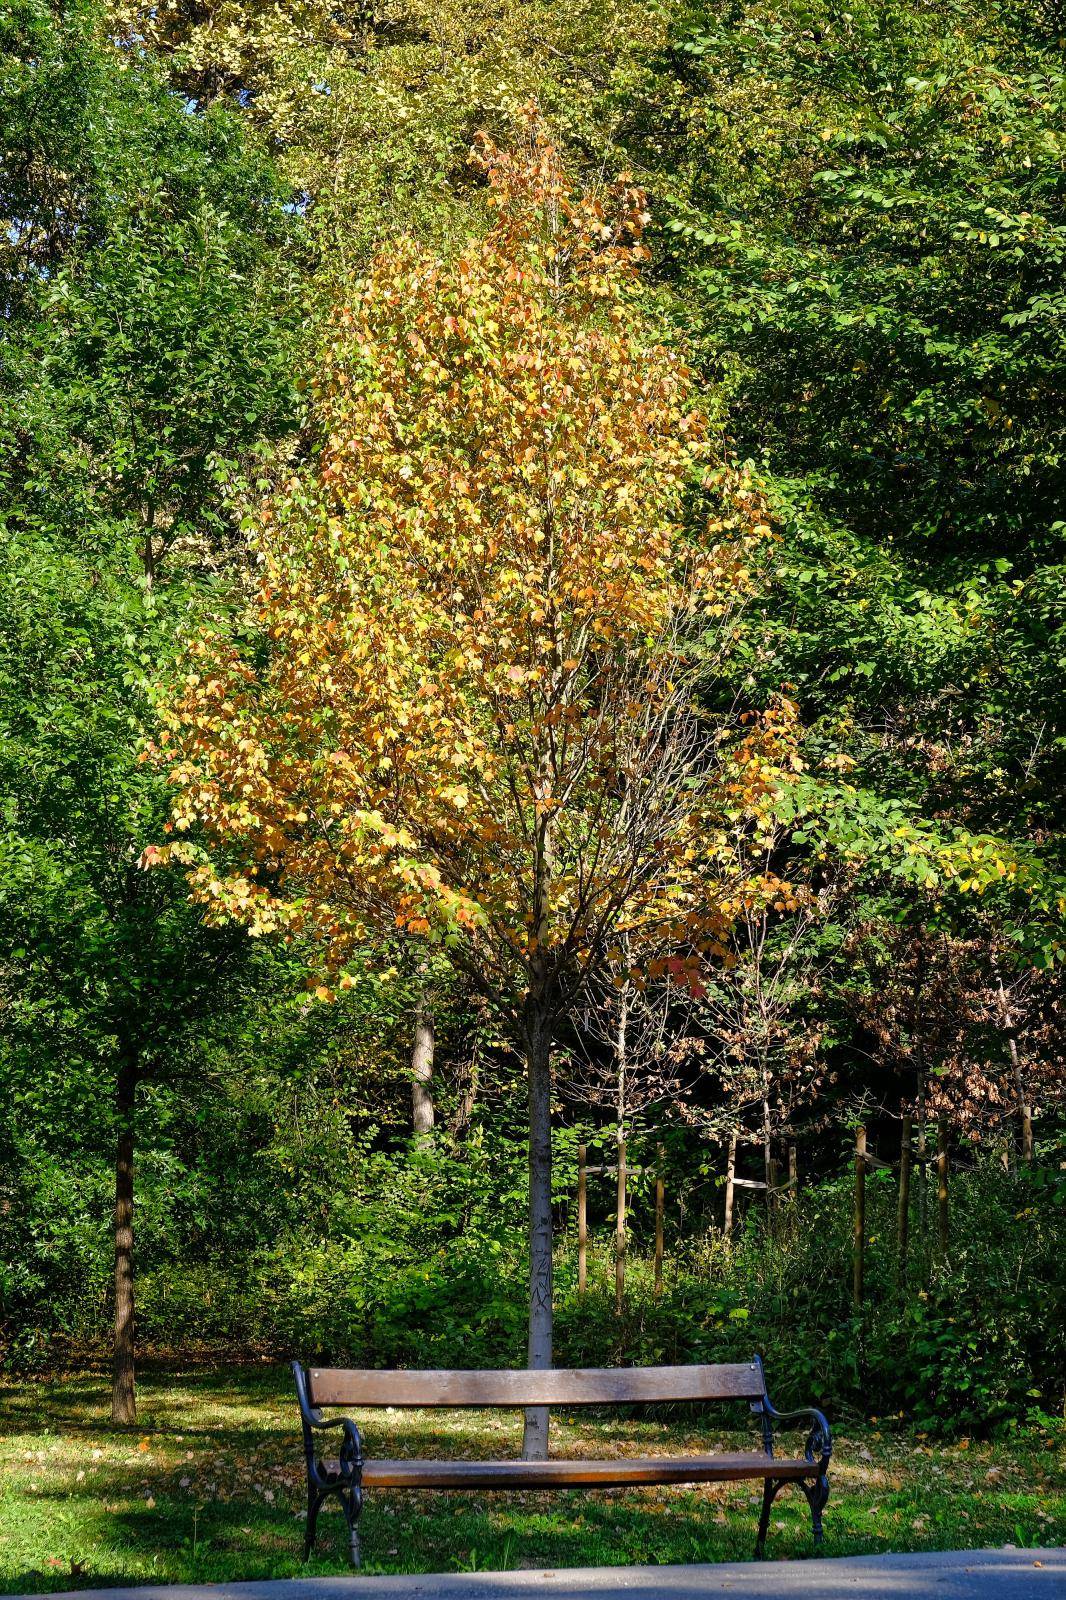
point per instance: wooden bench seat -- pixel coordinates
(620, 1473)
(352, 1471)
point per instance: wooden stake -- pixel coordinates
(582, 1221)
(903, 1215)
(1027, 1132)
(1025, 1110)
(660, 1196)
(942, 1186)
(767, 1144)
(923, 1184)
(730, 1174)
(793, 1174)
(620, 1232)
(858, 1244)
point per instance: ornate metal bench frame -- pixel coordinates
(343, 1475)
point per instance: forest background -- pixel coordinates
(857, 233)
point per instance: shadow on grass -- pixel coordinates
(209, 1488)
(175, 1541)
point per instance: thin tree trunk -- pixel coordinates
(1025, 1110)
(582, 1220)
(537, 1031)
(464, 1108)
(620, 1229)
(539, 1353)
(858, 1245)
(730, 1174)
(767, 1149)
(942, 1188)
(621, 1063)
(422, 1113)
(660, 1206)
(123, 1394)
(923, 1152)
(148, 561)
(903, 1216)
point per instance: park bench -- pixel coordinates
(350, 1472)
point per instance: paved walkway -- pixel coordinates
(954, 1575)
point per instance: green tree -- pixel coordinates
(146, 351)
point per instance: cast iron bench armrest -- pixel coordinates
(351, 1451)
(820, 1439)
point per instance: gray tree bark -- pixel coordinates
(422, 1111)
(124, 1394)
(539, 1353)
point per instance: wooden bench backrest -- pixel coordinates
(557, 1386)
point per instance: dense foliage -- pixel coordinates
(857, 227)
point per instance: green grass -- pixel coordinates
(210, 1488)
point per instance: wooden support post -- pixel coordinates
(942, 1187)
(923, 1183)
(767, 1143)
(793, 1174)
(858, 1244)
(1025, 1110)
(1027, 1131)
(582, 1221)
(903, 1215)
(660, 1197)
(730, 1174)
(620, 1232)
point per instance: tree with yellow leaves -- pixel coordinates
(463, 704)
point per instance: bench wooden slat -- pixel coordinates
(338, 1386)
(557, 1474)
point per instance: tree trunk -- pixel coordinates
(767, 1147)
(858, 1244)
(468, 1075)
(1025, 1110)
(538, 1063)
(422, 1114)
(660, 1205)
(903, 1215)
(923, 1196)
(620, 1228)
(942, 1189)
(730, 1174)
(123, 1395)
(582, 1220)
(621, 1064)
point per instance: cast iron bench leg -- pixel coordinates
(770, 1490)
(817, 1494)
(352, 1501)
(315, 1498)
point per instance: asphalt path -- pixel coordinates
(950, 1575)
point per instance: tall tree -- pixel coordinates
(144, 344)
(464, 705)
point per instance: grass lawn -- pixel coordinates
(210, 1487)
